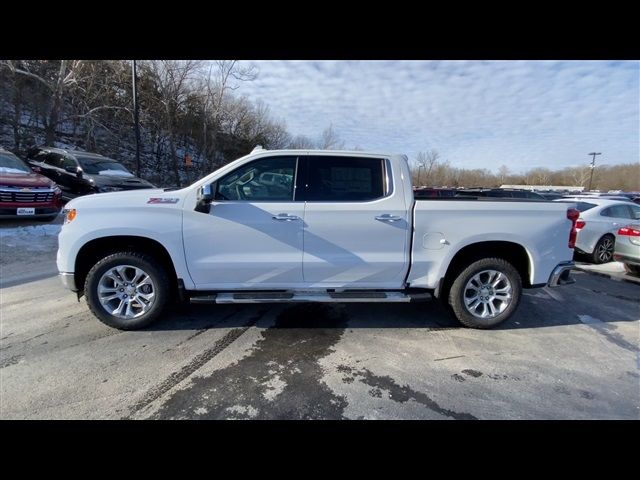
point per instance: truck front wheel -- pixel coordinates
(486, 293)
(127, 290)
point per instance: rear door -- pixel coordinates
(356, 226)
(616, 216)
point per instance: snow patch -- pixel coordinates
(243, 410)
(274, 387)
(31, 237)
(115, 173)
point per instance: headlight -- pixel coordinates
(109, 189)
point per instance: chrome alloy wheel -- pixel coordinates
(605, 250)
(487, 294)
(126, 291)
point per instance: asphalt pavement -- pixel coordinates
(568, 353)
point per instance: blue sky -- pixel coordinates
(477, 114)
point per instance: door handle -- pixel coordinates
(285, 217)
(387, 217)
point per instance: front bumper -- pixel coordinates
(561, 275)
(40, 211)
(68, 280)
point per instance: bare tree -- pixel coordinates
(427, 161)
(330, 140)
(55, 80)
(172, 80)
(301, 142)
(580, 175)
(503, 173)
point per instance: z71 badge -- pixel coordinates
(163, 200)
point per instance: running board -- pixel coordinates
(328, 297)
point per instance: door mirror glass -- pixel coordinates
(205, 197)
(206, 192)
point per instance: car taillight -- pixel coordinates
(580, 224)
(632, 232)
(573, 215)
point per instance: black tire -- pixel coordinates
(457, 293)
(158, 276)
(632, 269)
(603, 251)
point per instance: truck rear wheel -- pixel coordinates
(485, 293)
(127, 290)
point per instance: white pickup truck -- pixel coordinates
(324, 226)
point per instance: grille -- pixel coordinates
(26, 197)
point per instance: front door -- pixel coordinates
(252, 236)
(356, 226)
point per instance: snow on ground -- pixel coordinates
(28, 249)
(30, 238)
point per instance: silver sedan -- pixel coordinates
(627, 248)
(598, 223)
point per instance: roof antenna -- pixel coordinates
(257, 149)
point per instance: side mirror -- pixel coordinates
(206, 194)
(71, 169)
(79, 172)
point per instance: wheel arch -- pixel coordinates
(514, 253)
(93, 251)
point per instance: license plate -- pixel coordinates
(26, 211)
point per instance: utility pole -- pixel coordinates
(136, 115)
(593, 166)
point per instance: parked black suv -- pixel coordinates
(79, 173)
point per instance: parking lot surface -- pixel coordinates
(570, 352)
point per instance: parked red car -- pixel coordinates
(24, 193)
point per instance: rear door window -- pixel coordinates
(344, 179)
(635, 212)
(616, 211)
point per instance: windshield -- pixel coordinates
(103, 166)
(9, 163)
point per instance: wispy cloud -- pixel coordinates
(476, 114)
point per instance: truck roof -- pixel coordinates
(324, 152)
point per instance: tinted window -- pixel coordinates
(580, 206)
(104, 165)
(53, 159)
(67, 162)
(346, 179)
(500, 194)
(270, 179)
(534, 195)
(617, 211)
